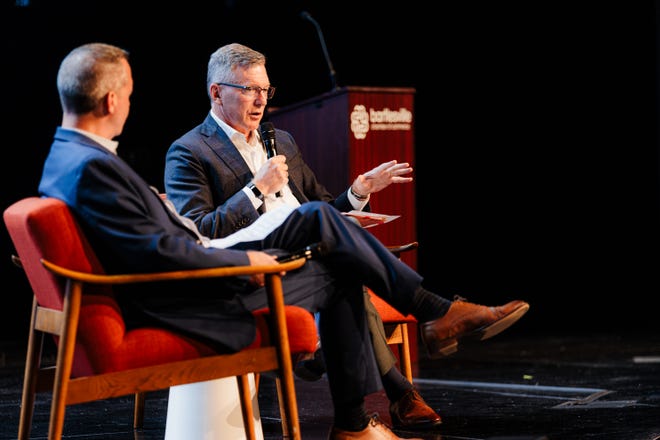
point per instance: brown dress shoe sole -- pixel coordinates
(450, 346)
(501, 325)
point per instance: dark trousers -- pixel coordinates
(333, 286)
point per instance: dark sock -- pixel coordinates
(351, 416)
(395, 384)
(428, 306)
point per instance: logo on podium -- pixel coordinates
(362, 121)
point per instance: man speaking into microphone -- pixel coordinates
(224, 173)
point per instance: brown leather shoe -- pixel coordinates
(465, 320)
(375, 430)
(411, 412)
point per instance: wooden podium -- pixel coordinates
(350, 131)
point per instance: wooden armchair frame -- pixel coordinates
(272, 353)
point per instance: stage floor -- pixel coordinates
(533, 387)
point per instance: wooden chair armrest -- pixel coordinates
(396, 250)
(212, 272)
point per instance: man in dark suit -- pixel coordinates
(132, 230)
(218, 175)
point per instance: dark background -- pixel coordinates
(536, 129)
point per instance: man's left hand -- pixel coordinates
(381, 177)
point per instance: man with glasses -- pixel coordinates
(219, 175)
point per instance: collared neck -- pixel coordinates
(106, 143)
(231, 132)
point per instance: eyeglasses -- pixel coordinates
(252, 91)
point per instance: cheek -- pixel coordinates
(231, 103)
(241, 107)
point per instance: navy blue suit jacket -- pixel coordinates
(131, 230)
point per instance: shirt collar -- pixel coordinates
(106, 143)
(232, 133)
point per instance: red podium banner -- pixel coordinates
(350, 131)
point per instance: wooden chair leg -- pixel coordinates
(280, 400)
(247, 410)
(32, 362)
(65, 349)
(286, 391)
(404, 353)
(138, 411)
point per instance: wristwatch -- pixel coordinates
(255, 191)
(360, 197)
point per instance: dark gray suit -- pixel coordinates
(205, 173)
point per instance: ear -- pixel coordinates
(214, 92)
(110, 102)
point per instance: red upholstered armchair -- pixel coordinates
(98, 358)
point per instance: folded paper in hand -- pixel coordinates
(370, 219)
(264, 225)
(270, 220)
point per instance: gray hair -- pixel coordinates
(228, 58)
(87, 74)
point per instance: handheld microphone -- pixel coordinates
(333, 76)
(267, 132)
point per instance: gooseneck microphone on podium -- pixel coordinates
(267, 132)
(333, 76)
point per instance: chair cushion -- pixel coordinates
(388, 313)
(301, 327)
(101, 320)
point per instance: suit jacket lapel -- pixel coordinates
(298, 194)
(225, 150)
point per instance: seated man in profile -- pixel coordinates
(220, 176)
